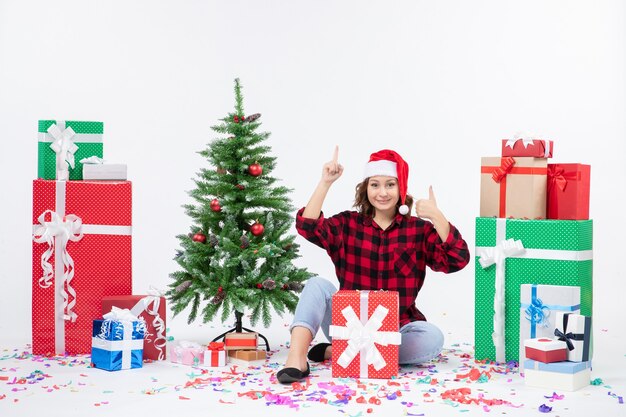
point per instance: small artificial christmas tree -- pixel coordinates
(239, 254)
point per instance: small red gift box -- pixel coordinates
(81, 252)
(537, 148)
(545, 350)
(151, 308)
(365, 334)
(568, 191)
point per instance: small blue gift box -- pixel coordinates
(117, 345)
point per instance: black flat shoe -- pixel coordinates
(290, 375)
(317, 352)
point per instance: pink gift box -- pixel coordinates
(186, 353)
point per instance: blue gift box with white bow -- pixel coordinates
(117, 344)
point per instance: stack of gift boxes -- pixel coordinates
(534, 264)
(238, 345)
(82, 259)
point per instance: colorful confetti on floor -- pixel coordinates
(454, 382)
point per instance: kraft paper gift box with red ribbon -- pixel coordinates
(215, 355)
(365, 334)
(539, 307)
(81, 253)
(513, 187)
(63, 144)
(241, 341)
(186, 353)
(512, 252)
(568, 191)
(150, 308)
(545, 350)
(247, 355)
(575, 331)
(536, 148)
(117, 341)
(558, 376)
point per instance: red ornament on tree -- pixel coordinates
(259, 286)
(215, 205)
(255, 169)
(257, 229)
(236, 119)
(220, 289)
(241, 187)
(199, 237)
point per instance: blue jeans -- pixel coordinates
(421, 341)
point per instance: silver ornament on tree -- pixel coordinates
(213, 241)
(245, 242)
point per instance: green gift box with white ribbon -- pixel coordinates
(512, 252)
(62, 144)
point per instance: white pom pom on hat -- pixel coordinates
(389, 163)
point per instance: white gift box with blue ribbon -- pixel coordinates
(538, 310)
(567, 376)
(117, 342)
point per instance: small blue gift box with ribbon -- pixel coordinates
(117, 341)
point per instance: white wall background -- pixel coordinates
(441, 82)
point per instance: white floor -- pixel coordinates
(31, 386)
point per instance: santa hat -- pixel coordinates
(390, 164)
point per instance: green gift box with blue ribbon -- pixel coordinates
(62, 144)
(512, 252)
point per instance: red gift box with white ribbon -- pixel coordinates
(81, 253)
(522, 146)
(365, 333)
(151, 308)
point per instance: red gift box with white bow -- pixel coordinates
(365, 334)
(537, 148)
(81, 253)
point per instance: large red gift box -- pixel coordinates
(568, 191)
(365, 334)
(537, 148)
(150, 308)
(81, 253)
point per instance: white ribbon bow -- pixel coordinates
(93, 160)
(154, 300)
(497, 255)
(525, 138)
(59, 230)
(63, 146)
(120, 314)
(362, 338)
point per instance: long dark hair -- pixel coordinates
(362, 203)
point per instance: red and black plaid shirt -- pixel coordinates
(367, 257)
